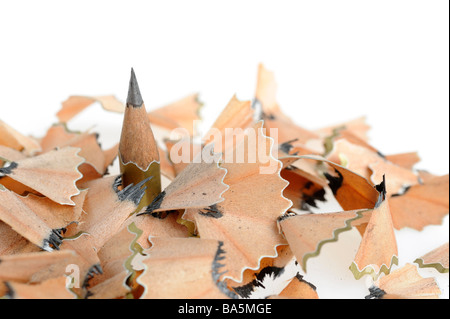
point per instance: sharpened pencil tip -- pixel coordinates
(134, 94)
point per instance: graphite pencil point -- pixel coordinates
(134, 94)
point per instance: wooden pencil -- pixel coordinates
(138, 151)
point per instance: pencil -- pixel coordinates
(138, 151)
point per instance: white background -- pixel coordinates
(333, 60)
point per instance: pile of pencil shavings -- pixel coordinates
(206, 227)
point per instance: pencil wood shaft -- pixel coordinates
(137, 143)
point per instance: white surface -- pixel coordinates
(333, 60)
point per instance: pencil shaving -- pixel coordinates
(307, 233)
(53, 174)
(241, 218)
(199, 258)
(437, 258)
(299, 288)
(421, 205)
(199, 185)
(378, 251)
(404, 283)
(76, 104)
